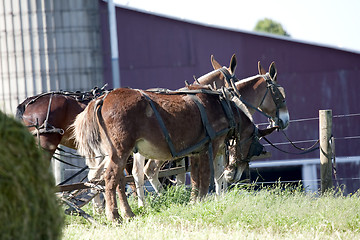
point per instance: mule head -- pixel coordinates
(273, 102)
(241, 153)
(232, 65)
(221, 75)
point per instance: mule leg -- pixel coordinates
(204, 175)
(194, 174)
(125, 209)
(151, 170)
(96, 170)
(128, 171)
(112, 178)
(138, 174)
(180, 178)
(219, 167)
(119, 159)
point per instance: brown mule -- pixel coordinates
(159, 126)
(255, 93)
(49, 116)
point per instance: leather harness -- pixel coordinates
(210, 132)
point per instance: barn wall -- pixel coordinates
(156, 51)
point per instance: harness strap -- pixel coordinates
(230, 80)
(48, 110)
(227, 75)
(79, 96)
(46, 127)
(209, 131)
(255, 108)
(263, 99)
(211, 134)
(224, 100)
(162, 124)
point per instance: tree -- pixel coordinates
(270, 26)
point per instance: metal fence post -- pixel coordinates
(325, 133)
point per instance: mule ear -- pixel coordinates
(233, 63)
(267, 131)
(214, 63)
(273, 71)
(262, 71)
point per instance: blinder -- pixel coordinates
(256, 148)
(276, 95)
(272, 87)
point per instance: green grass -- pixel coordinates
(242, 213)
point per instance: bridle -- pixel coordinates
(256, 148)
(271, 87)
(276, 96)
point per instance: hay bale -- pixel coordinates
(29, 208)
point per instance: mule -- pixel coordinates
(260, 93)
(254, 93)
(48, 116)
(152, 167)
(159, 126)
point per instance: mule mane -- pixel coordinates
(198, 87)
(207, 75)
(234, 99)
(242, 107)
(248, 79)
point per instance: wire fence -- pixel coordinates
(337, 180)
(300, 181)
(260, 181)
(314, 140)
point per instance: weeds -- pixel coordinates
(245, 212)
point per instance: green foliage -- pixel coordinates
(29, 207)
(270, 26)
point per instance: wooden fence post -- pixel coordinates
(325, 133)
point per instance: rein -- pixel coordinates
(301, 153)
(305, 150)
(300, 148)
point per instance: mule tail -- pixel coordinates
(86, 130)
